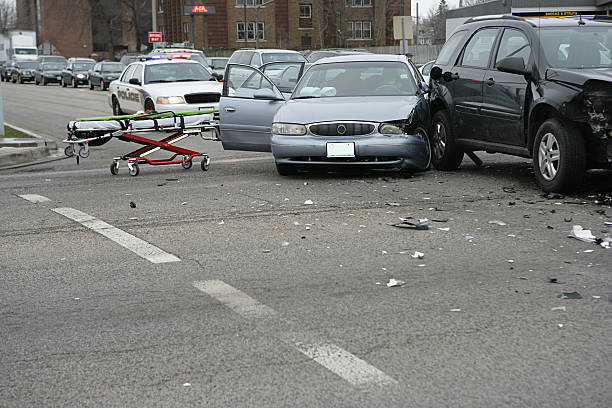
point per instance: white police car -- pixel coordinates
(161, 85)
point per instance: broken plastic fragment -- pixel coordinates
(411, 225)
(222, 222)
(393, 204)
(308, 202)
(509, 190)
(418, 255)
(186, 384)
(393, 283)
(570, 295)
(581, 234)
(455, 310)
(497, 222)
(561, 308)
(553, 196)
(285, 244)
(555, 280)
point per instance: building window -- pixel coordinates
(358, 3)
(186, 32)
(249, 3)
(160, 6)
(250, 32)
(305, 10)
(359, 30)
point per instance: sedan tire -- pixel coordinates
(75, 83)
(116, 108)
(63, 82)
(91, 85)
(446, 155)
(559, 157)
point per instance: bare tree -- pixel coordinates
(467, 3)
(436, 18)
(8, 15)
(138, 12)
(109, 24)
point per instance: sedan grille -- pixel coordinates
(202, 98)
(342, 129)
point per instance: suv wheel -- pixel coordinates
(446, 155)
(559, 157)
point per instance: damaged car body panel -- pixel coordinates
(365, 111)
(557, 72)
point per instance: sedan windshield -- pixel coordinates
(176, 72)
(577, 47)
(112, 67)
(82, 67)
(356, 79)
(28, 65)
(282, 56)
(53, 66)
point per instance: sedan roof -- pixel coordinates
(362, 58)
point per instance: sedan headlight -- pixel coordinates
(80, 76)
(388, 129)
(290, 129)
(170, 100)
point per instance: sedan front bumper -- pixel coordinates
(375, 151)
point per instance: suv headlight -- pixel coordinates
(290, 129)
(389, 129)
(170, 100)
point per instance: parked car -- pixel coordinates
(7, 70)
(103, 73)
(53, 58)
(179, 53)
(317, 55)
(164, 85)
(75, 73)
(259, 57)
(425, 69)
(48, 72)
(540, 89)
(127, 59)
(218, 64)
(23, 71)
(365, 111)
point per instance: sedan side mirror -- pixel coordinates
(134, 81)
(513, 65)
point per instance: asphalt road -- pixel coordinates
(223, 288)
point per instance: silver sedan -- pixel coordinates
(366, 111)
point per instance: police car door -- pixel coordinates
(134, 85)
(247, 108)
(123, 88)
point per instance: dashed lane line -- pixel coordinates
(34, 198)
(337, 360)
(140, 247)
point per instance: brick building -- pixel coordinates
(293, 24)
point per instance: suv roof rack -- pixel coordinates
(496, 17)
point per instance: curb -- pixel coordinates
(17, 152)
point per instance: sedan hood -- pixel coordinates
(182, 88)
(579, 76)
(368, 109)
(52, 72)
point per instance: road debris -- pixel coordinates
(221, 222)
(418, 255)
(186, 384)
(421, 225)
(308, 202)
(285, 244)
(455, 310)
(497, 222)
(561, 308)
(581, 234)
(394, 283)
(555, 280)
(570, 295)
(132, 204)
(393, 204)
(553, 196)
(509, 190)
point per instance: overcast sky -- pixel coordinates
(425, 5)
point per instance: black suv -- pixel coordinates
(540, 89)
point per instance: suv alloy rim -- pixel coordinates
(548, 156)
(439, 140)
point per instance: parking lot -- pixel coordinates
(239, 287)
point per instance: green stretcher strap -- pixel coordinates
(161, 115)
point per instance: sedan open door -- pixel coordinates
(248, 104)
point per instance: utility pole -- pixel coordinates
(154, 15)
(257, 7)
(417, 24)
(402, 46)
(245, 25)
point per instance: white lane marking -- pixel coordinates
(134, 244)
(22, 130)
(339, 361)
(95, 171)
(346, 365)
(34, 198)
(236, 300)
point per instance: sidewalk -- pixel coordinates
(17, 152)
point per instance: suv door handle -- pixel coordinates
(229, 109)
(490, 81)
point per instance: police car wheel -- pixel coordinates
(149, 106)
(116, 108)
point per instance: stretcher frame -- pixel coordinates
(180, 131)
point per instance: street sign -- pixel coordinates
(397, 27)
(155, 37)
(199, 10)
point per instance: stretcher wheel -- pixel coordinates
(69, 150)
(134, 170)
(187, 164)
(84, 152)
(114, 168)
(205, 164)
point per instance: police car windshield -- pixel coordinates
(577, 47)
(82, 67)
(112, 67)
(53, 66)
(176, 72)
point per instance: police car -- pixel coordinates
(160, 85)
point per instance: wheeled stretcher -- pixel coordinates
(91, 132)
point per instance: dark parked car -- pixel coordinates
(75, 73)
(48, 72)
(7, 70)
(103, 73)
(529, 88)
(23, 71)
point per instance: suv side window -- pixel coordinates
(478, 49)
(450, 47)
(513, 44)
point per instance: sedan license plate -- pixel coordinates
(341, 149)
